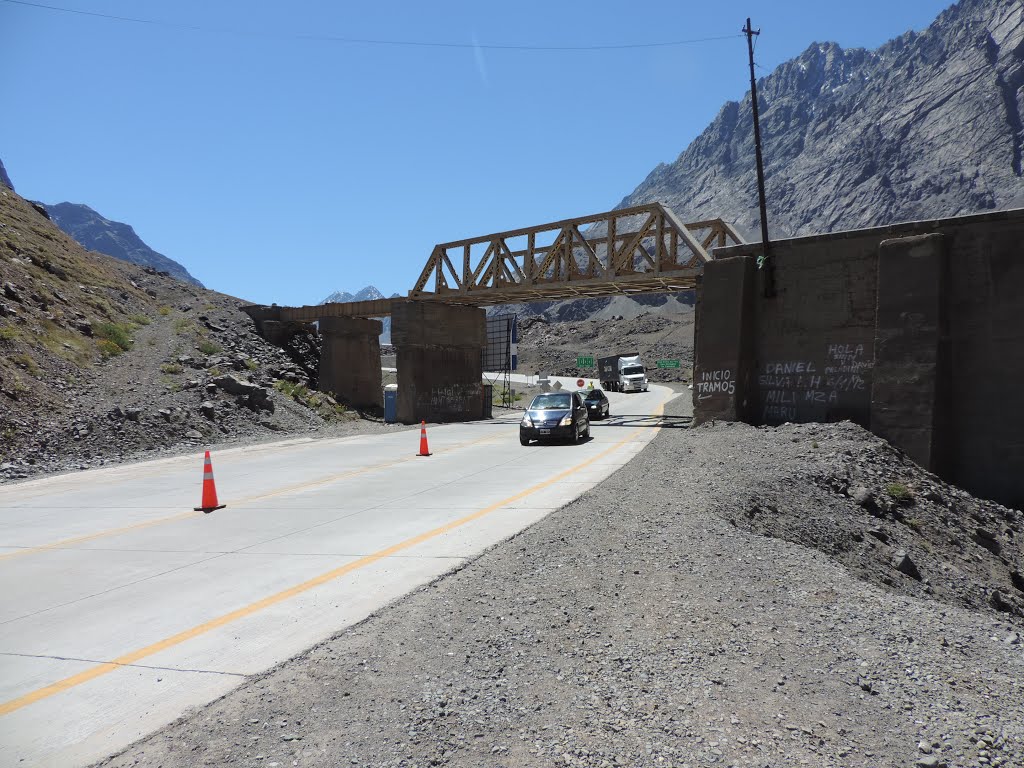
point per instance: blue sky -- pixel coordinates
(279, 163)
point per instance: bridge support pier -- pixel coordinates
(438, 354)
(350, 360)
(723, 373)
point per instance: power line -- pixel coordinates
(375, 41)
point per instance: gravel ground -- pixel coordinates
(652, 624)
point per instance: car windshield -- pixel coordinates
(594, 395)
(629, 370)
(551, 401)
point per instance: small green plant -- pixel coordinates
(100, 304)
(914, 524)
(25, 361)
(140, 319)
(118, 334)
(183, 325)
(208, 347)
(164, 310)
(108, 348)
(288, 388)
(814, 444)
(251, 364)
(215, 371)
(8, 333)
(898, 491)
(170, 368)
(504, 397)
(18, 387)
(324, 405)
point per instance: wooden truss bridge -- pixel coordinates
(643, 249)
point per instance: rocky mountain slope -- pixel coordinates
(102, 360)
(97, 233)
(929, 125)
(552, 347)
(5, 180)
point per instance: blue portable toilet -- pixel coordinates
(390, 406)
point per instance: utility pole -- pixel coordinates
(764, 262)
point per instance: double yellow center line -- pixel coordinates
(162, 645)
(239, 502)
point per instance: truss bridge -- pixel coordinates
(642, 249)
(438, 329)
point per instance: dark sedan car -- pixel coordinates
(596, 402)
(554, 416)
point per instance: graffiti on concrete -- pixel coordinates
(454, 399)
(717, 382)
(801, 390)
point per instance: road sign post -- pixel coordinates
(668, 363)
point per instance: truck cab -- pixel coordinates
(623, 373)
(633, 376)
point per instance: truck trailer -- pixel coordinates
(623, 373)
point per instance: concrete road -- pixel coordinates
(120, 607)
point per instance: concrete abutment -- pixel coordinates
(913, 331)
(438, 353)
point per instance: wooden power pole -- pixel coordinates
(765, 261)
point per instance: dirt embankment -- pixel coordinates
(102, 361)
(734, 596)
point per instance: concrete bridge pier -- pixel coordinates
(438, 355)
(350, 360)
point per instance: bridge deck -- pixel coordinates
(643, 249)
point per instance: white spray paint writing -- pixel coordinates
(715, 382)
(787, 385)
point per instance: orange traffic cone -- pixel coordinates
(424, 450)
(209, 489)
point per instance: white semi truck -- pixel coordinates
(623, 373)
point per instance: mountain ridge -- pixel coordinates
(94, 231)
(368, 293)
(930, 124)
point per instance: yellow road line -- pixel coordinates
(201, 629)
(91, 536)
(240, 502)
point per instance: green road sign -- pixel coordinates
(584, 362)
(668, 363)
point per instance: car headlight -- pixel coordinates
(526, 422)
(566, 422)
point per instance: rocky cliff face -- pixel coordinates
(5, 180)
(929, 125)
(93, 231)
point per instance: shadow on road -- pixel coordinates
(644, 420)
(616, 420)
